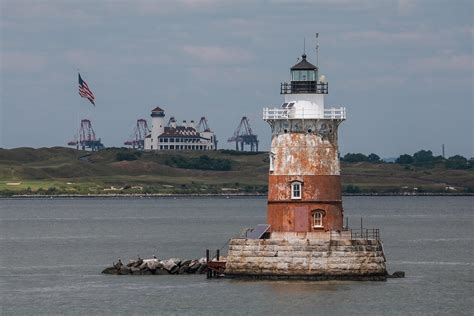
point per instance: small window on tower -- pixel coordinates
(296, 190)
(318, 219)
(272, 161)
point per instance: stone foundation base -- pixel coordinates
(308, 259)
(307, 277)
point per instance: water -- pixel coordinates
(52, 252)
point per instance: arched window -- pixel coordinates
(296, 190)
(318, 219)
(272, 161)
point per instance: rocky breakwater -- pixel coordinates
(158, 267)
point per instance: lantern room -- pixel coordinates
(304, 79)
(304, 71)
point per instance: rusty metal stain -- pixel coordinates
(287, 217)
(314, 187)
(304, 154)
(300, 219)
(311, 158)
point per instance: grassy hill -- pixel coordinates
(61, 170)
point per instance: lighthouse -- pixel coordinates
(157, 128)
(304, 237)
(304, 190)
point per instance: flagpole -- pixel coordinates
(78, 110)
(85, 92)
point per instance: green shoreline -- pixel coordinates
(60, 171)
(158, 195)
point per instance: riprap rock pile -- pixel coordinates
(158, 267)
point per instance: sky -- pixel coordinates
(403, 69)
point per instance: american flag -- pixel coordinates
(84, 91)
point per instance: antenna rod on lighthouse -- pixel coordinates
(317, 50)
(304, 45)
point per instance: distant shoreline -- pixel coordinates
(63, 172)
(91, 196)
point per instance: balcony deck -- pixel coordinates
(270, 114)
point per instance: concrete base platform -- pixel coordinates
(306, 259)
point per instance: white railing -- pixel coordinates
(284, 114)
(335, 113)
(275, 114)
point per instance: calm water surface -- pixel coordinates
(52, 252)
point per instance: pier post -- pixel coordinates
(209, 273)
(217, 259)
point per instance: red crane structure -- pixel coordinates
(243, 135)
(87, 138)
(137, 139)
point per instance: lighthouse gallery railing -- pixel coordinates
(284, 114)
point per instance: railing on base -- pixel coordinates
(367, 233)
(215, 267)
(354, 234)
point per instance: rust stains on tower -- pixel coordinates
(304, 193)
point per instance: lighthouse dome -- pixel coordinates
(304, 71)
(304, 64)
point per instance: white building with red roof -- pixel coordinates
(171, 136)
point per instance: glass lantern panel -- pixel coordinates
(303, 75)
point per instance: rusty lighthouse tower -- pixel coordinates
(304, 190)
(304, 237)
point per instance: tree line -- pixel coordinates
(424, 158)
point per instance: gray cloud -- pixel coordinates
(396, 65)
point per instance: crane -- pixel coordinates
(203, 126)
(204, 129)
(243, 135)
(137, 139)
(87, 138)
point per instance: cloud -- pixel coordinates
(52, 9)
(22, 62)
(84, 58)
(343, 5)
(218, 54)
(446, 63)
(224, 75)
(396, 38)
(406, 7)
(153, 7)
(200, 3)
(89, 11)
(414, 37)
(470, 31)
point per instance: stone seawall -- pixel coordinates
(306, 259)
